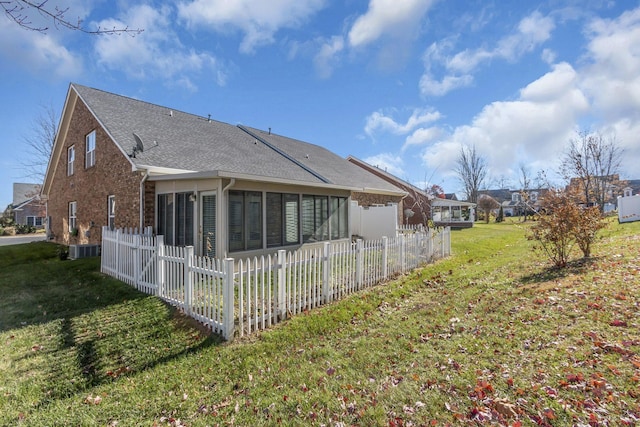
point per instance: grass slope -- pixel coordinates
(491, 336)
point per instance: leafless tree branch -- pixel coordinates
(20, 12)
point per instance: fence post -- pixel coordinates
(385, 257)
(188, 278)
(137, 261)
(102, 247)
(448, 241)
(282, 283)
(228, 303)
(326, 273)
(117, 253)
(359, 263)
(161, 264)
(402, 250)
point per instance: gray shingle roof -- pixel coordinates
(178, 140)
(23, 192)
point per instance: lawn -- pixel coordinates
(490, 336)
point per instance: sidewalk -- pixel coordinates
(22, 238)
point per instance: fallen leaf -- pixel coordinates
(618, 322)
(504, 408)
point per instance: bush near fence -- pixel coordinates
(238, 297)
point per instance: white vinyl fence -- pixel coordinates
(245, 296)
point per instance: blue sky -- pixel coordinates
(401, 84)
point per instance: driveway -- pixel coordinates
(21, 238)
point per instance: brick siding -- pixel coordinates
(91, 187)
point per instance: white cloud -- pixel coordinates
(422, 136)
(535, 126)
(531, 32)
(396, 18)
(432, 87)
(38, 51)
(258, 20)
(156, 52)
(387, 162)
(378, 121)
(613, 77)
(612, 80)
(326, 59)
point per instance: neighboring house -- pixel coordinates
(517, 202)
(420, 207)
(226, 190)
(452, 213)
(27, 206)
(612, 185)
(416, 207)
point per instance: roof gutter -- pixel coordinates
(142, 181)
(248, 177)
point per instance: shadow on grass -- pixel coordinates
(88, 357)
(37, 287)
(551, 273)
(90, 329)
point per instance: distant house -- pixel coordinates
(611, 185)
(27, 206)
(226, 190)
(419, 207)
(452, 213)
(517, 202)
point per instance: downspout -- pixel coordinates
(229, 185)
(142, 181)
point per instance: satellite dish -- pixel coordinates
(139, 148)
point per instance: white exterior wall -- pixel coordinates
(629, 208)
(374, 222)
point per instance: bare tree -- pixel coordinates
(472, 171)
(20, 11)
(39, 143)
(593, 164)
(525, 177)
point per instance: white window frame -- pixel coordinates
(111, 212)
(71, 157)
(90, 150)
(72, 215)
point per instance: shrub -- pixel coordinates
(500, 216)
(9, 231)
(565, 224)
(24, 229)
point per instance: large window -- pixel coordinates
(282, 212)
(71, 156)
(184, 219)
(90, 151)
(111, 212)
(245, 220)
(315, 216)
(34, 221)
(72, 216)
(175, 218)
(339, 218)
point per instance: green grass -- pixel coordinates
(492, 335)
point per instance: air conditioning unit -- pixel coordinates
(83, 251)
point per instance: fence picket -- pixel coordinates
(267, 288)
